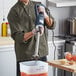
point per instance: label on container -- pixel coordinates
(41, 74)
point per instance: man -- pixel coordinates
(23, 30)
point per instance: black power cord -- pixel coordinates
(54, 69)
(52, 34)
(53, 43)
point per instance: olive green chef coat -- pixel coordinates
(22, 20)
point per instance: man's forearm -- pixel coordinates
(49, 21)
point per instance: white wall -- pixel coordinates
(5, 6)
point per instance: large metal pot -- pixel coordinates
(73, 26)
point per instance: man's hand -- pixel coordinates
(42, 9)
(38, 28)
(49, 21)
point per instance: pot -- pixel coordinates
(73, 26)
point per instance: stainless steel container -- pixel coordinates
(73, 26)
(70, 27)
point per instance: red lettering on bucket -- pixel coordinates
(42, 74)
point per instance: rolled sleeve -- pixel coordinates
(50, 16)
(17, 32)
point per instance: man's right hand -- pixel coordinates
(38, 28)
(28, 35)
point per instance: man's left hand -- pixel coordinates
(42, 9)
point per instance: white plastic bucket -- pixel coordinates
(34, 68)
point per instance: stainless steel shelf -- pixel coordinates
(62, 3)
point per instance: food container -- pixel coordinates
(34, 68)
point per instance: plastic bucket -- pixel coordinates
(34, 68)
